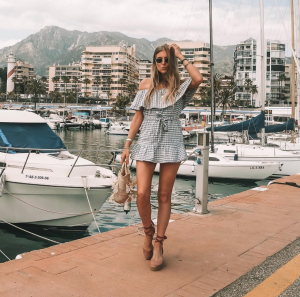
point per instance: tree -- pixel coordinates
(65, 80)
(121, 103)
(97, 80)
(36, 88)
(281, 78)
(24, 82)
(248, 85)
(108, 82)
(55, 80)
(15, 81)
(122, 81)
(44, 79)
(76, 81)
(132, 89)
(55, 97)
(86, 81)
(225, 99)
(253, 91)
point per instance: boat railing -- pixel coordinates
(81, 151)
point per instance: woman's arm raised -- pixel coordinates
(196, 76)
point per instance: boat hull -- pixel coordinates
(66, 206)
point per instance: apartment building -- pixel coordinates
(246, 67)
(197, 53)
(109, 62)
(24, 69)
(71, 71)
(144, 69)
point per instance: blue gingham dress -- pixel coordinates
(161, 139)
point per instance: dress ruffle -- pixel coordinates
(157, 102)
(159, 154)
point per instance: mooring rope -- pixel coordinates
(46, 210)
(29, 231)
(87, 197)
(4, 255)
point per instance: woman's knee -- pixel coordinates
(142, 198)
(164, 197)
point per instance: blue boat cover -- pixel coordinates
(289, 125)
(253, 125)
(29, 135)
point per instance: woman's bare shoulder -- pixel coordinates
(145, 84)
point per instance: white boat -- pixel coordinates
(186, 134)
(55, 122)
(118, 128)
(289, 159)
(44, 183)
(219, 167)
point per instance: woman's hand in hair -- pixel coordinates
(177, 51)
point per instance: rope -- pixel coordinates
(29, 232)
(4, 255)
(189, 19)
(46, 210)
(87, 197)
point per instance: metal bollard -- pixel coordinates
(202, 173)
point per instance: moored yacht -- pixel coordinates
(45, 184)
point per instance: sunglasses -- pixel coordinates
(159, 60)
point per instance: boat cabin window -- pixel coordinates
(192, 158)
(213, 159)
(2, 164)
(229, 151)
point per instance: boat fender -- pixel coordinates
(199, 161)
(235, 157)
(199, 152)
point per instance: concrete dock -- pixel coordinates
(204, 255)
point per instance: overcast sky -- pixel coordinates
(234, 20)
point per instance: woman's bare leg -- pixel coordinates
(144, 172)
(167, 176)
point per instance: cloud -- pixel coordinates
(5, 43)
(233, 20)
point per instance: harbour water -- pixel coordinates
(112, 216)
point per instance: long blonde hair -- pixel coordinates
(171, 79)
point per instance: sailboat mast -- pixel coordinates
(211, 77)
(263, 66)
(297, 18)
(293, 67)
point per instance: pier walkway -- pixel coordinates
(246, 246)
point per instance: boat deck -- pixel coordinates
(203, 254)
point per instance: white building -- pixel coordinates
(144, 69)
(247, 67)
(71, 71)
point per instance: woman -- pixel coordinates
(158, 104)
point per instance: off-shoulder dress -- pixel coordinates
(160, 139)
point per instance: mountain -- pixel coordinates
(56, 45)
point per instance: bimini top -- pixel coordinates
(17, 116)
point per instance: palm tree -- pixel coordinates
(55, 80)
(86, 81)
(253, 91)
(15, 81)
(76, 81)
(248, 85)
(225, 99)
(281, 78)
(24, 82)
(108, 81)
(55, 96)
(44, 79)
(65, 80)
(36, 88)
(132, 89)
(97, 80)
(122, 81)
